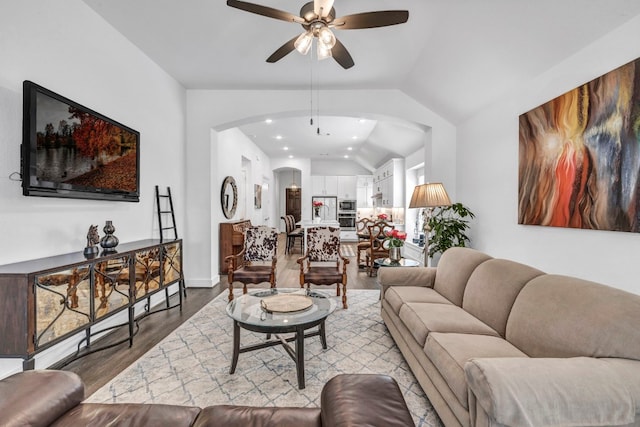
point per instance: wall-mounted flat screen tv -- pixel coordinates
(69, 150)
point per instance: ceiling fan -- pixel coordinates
(317, 18)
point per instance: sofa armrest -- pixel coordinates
(350, 400)
(38, 398)
(547, 392)
(406, 276)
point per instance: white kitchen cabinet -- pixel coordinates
(347, 187)
(324, 185)
(390, 184)
(364, 189)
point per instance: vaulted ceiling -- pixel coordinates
(454, 56)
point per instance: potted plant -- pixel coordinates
(448, 226)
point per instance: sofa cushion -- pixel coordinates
(449, 353)
(398, 295)
(128, 414)
(454, 269)
(560, 316)
(248, 416)
(422, 318)
(492, 289)
(350, 400)
(629, 370)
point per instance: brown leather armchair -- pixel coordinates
(330, 267)
(256, 262)
(54, 398)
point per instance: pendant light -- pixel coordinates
(293, 184)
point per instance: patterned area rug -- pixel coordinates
(191, 365)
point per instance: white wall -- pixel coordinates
(209, 112)
(487, 165)
(67, 48)
(233, 145)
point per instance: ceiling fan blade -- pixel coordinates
(322, 7)
(282, 51)
(341, 55)
(381, 18)
(265, 11)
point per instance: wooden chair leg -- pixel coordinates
(338, 290)
(230, 291)
(344, 296)
(244, 288)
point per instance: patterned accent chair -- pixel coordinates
(256, 262)
(292, 233)
(362, 230)
(329, 266)
(377, 234)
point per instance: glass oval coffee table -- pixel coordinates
(248, 313)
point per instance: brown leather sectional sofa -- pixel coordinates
(54, 398)
(494, 342)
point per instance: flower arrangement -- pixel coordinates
(395, 238)
(317, 204)
(383, 216)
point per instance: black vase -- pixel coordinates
(109, 241)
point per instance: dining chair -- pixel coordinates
(323, 264)
(292, 232)
(377, 234)
(256, 262)
(362, 231)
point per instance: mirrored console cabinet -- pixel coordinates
(45, 301)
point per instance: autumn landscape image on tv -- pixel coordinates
(76, 147)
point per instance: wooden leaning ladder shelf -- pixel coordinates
(167, 210)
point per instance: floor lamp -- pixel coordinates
(428, 196)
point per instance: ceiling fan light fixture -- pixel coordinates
(324, 51)
(303, 42)
(326, 36)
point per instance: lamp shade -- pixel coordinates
(303, 42)
(429, 195)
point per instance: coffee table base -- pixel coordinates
(296, 354)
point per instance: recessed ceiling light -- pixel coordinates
(268, 121)
(362, 120)
(278, 136)
(354, 137)
(291, 156)
(285, 148)
(346, 156)
(349, 148)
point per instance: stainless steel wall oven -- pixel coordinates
(347, 220)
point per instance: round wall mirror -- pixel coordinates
(229, 197)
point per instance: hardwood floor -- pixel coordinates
(99, 368)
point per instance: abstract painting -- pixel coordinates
(580, 156)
